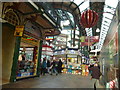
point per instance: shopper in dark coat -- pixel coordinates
(95, 71)
(90, 66)
(95, 75)
(48, 66)
(54, 66)
(44, 66)
(59, 66)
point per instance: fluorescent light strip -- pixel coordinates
(30, 1)
(42, 10)
(49, 19)
(104, 29)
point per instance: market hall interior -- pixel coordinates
(66, 44)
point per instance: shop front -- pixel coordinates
(27, 60)
(23, 32)
(27, 52)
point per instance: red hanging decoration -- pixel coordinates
(89, 19)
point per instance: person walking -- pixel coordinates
(60, 66)
(91, 65)
(44, 65)
(54, 66)
(48, 66)
(95, 75)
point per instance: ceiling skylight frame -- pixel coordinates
(105, 25)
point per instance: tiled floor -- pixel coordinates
(59, 81)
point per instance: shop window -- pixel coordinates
(25, 62)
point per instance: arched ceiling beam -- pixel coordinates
(66, 6)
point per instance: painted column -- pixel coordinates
(81, 49)
(74, 37)
(1, 52)
(39, 57)
(66, 58)
(78, 56)
(66, 50)
(71, 39)
(15, 59)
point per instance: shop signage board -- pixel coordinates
(19, 30)
(32, 42)
(92, 38)
(89, 38)
(49, 38)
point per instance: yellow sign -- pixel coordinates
(19, 30)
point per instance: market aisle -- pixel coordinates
(48, 81)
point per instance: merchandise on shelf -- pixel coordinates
(70, 69)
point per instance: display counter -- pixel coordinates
(25, 69)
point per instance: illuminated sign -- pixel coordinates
(49, 38)
(29, 38)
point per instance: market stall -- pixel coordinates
(27, 61)
(71, 64)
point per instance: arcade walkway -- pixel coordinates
(48, 81)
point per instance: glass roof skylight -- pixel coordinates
(77, 1)
(108, 13)
(110, 3)
(109, 10)
(84, 6)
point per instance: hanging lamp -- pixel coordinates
(89, 19)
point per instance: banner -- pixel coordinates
(92, 38)
(86, 44)
(88, 40)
